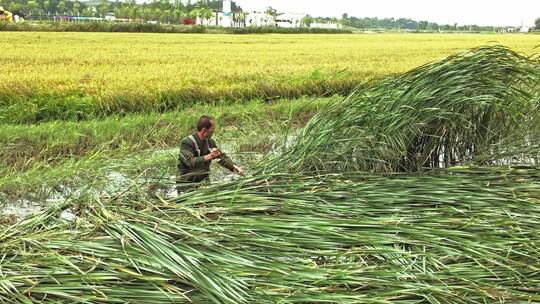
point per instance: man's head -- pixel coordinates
(206, 126)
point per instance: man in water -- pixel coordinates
(197, 151)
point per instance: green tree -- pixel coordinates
(126, 11)
(537, 24)
(202, 13)
(271, 11)
(206, 13)
(104, 8)
(194, 13)
(165, 5)
(61, 7)
(121, 12)
(178, 5)
(178, 14)
(165, 16)
(345, 21)
(133, 13)
(307, 21)
(88, 11)
(77, 8)
(156, 14)
(146, 13)
(47, 7)
(15, 6)
(33, 6)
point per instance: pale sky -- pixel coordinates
(464, 12)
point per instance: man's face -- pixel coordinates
(208, 133)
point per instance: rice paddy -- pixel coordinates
(68, 76)
(421, 185)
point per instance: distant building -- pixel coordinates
(290, 20)
(524, 29)
(258, 19)
(226, 18)
(329, 25)
(110, 17)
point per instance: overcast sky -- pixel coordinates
(464, 12)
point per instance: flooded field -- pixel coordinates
(155, 175)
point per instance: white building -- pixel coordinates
(258, 19)
(110, 17)
(226, 18)
(524, 29)
(330, 25)
(290, 20)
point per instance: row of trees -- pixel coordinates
(163, 10)
(408, 24)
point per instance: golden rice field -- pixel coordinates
(48, 76)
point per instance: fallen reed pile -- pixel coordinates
(459, 236)
(475, 106)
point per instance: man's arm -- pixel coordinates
(224, 160)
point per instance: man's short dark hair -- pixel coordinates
(205, 122)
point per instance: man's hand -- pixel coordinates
(214, 153)
(239, 171)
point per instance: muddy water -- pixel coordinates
(16, 210)
(140, 172)
(158, 168)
